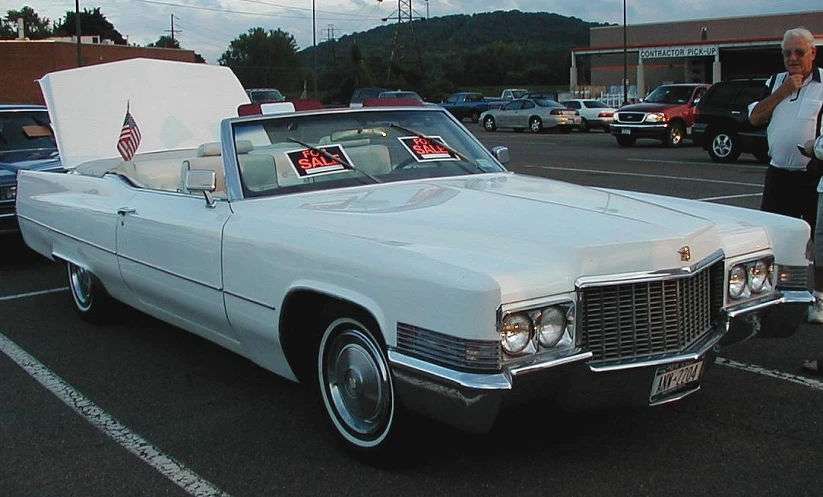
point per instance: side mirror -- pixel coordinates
(501, 154)
(201, 181)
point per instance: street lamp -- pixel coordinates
(625, 59)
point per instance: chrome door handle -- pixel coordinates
(126, 210)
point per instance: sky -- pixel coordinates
(208, 26)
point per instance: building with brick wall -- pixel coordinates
(23, 62)
(701, 51)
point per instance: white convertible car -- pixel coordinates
(385, 257)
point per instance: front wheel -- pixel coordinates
(489, 124)
(675, 135)
(724, 147)
(91, 301)
(356, 388)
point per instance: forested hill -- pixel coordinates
(480, 49)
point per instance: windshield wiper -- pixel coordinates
(329, 156)
(451, 149)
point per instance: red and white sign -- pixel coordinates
(308, 162)
(426, 149)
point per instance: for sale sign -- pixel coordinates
(427, 148)
(323, 160)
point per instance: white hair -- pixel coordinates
(798, 33)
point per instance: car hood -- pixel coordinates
(531, 235)
(646, 107)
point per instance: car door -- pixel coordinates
(508, 115)
(169, 252)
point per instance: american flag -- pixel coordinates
(129, 137)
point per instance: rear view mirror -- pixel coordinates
(501, 154)
(200, 180)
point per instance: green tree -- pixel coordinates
(263, 58)
(165, 42)
(35, 28)
(92, 23)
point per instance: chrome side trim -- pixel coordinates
(71, 237)
(170, 273)
(473, 381)
(249, 299)
(644, 276)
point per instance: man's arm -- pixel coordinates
(762, 112)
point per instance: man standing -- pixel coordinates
(794, 111)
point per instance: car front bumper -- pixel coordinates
(471, 402)
(657, 131)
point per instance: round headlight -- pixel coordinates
(759, 277)
(516, 333)
(550, 326)
(737, 281)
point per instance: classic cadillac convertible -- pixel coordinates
(385, 257)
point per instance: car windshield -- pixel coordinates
(266, 96)
(548, 103)
(26, 130)
(670, 95)
(286, 154)
(518, 93)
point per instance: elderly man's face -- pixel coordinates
(798, 56)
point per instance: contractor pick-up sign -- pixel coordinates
(684, 51)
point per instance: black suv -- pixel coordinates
(722, 125)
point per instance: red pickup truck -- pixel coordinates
(667, 114)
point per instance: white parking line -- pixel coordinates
(780, 375)
(33, 294)
(656, 176)
(701, 163)
(179, 474)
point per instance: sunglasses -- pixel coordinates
(796, 52)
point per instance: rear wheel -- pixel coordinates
(489, 124)
(475, 116)
(536, 124)
(724, 147)
(626, 141)
(356, 386)
(91, 301)
(584, 126)
(675, 135)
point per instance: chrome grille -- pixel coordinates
(448, 351)
(633, 320)
(631, 117)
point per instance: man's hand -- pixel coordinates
(790, 84)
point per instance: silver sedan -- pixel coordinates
(533, 114)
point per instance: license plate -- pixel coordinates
(626, 131)
(674, 377)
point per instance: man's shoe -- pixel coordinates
(816, 311)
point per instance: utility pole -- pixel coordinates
(314, 45)
(172, 30)
(625, 59)
(77, 31)
(405, 15)
(332, 57)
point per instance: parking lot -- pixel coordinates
(140, 408)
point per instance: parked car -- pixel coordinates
(722, 124)
(385, 258)
(667, 114)
(265, 95)
(513, 93)
(466, 105)
(593, 113)
(26, 143)
(542, 95)
(534, 115)
(361, 94)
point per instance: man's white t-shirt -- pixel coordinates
(795, 120)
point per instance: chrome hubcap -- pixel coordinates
(357, 382)
(722, 145)
(80, 282)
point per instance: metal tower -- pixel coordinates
(405, 17)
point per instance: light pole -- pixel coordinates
(625, 59)
(314, 45)
(77, 31)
